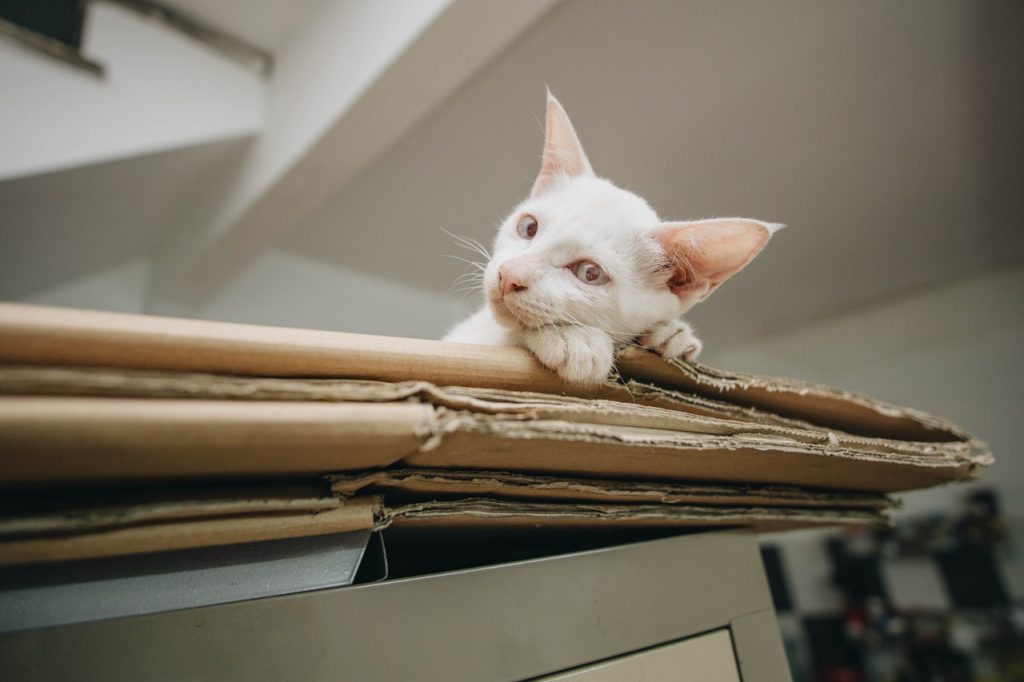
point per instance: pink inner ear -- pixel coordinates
(705, 253)
(563, 153)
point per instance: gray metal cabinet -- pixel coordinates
(660, 607)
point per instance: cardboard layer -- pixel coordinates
(518, 405)
(44, 440)
(56, 336)
(498, 514)
(48, 440)
(814, 403)
(160, 527)
(353, 514)
(428, 483)
(101, 514)
(618, 453)
(73, 381)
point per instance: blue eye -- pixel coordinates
(527, 226)
(589, 272)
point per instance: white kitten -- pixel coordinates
(582, 265)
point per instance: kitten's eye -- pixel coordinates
(589, 272)
(527, 227)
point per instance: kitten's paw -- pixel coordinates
(579, 355)
(673, 339)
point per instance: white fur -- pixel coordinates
(571, 326)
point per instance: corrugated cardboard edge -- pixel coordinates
(62, 336)
(473, 441)
(506, 485)
(44, 440)
(95, 518)
(107, 382)
(798, 399)
(487, 513)
(504, 403)
(359, 513)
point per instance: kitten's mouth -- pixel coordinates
(503, 313)
(509, 313)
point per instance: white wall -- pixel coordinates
(286, 289)
(282, 289)
(161, 90)
(121, 288)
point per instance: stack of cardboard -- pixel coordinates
(122, 433)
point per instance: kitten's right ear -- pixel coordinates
(563, 153)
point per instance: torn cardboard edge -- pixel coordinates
(47, 439)
(126, 383)
(20, 380)
(162, 528)
(425, 483)
(499, 514)
(792, 398)
(63, 440)
(60, 336)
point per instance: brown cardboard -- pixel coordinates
(55, 336)
(86, 513)
(449, 483)
(499, 514)
(163, 527)
(274, 426)
(814, 403)
(53, 440)
(65, 439)
(118, 540)
(15, 380)
(454, 436)
(36, 380)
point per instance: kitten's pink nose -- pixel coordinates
(509, 281)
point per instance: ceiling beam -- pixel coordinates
(355, 80)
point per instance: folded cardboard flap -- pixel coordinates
(174, 532)
(807, 401)
(442, 483)
(56, 336)
(646, 454)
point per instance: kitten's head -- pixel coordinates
(582, 251)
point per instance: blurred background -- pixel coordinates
(293, 162)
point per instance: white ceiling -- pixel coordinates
(266, 24)
(883, 133)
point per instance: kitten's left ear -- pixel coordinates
(563, 153)
(705, 253)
